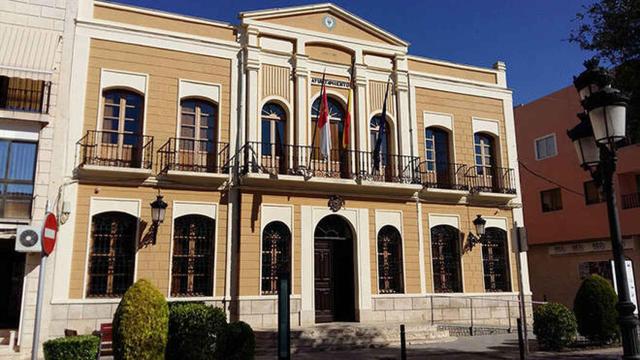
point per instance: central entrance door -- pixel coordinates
(334, 270)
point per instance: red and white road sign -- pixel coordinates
(49, 233)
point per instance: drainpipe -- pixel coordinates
(233, 221)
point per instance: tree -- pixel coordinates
(611, 29)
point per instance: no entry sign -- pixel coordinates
(49, 233)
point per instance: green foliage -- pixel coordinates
(595, 309)
(83, 347)
(554, 326)
(611, 29)
(237, 342)
(140, 324)
(193, 330)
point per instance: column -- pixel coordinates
(301, 79)
(401, 88)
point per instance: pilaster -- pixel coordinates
(360, 116)
(401, 88)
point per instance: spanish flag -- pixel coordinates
(346, 130)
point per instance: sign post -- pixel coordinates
(49, 234)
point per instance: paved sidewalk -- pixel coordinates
(477, 347)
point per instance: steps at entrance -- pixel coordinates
(344, 336)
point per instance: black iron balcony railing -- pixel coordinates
(491, 179)
(201, 156)
(339, 164)
(25, 95)
(630, 201)
(109, 148)
(443, 175)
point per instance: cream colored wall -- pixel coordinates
(314, 22)
(472, 271)
(276, 81)
(463, 108)
(157, 21)
(328, 53)
(452, 71)
(250, 259)
(165, 68)
(153, 260)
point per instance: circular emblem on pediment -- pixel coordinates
(329, 22)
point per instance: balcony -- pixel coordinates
(344, 169)
(443, 180)
(110, 154)
(24, 99)
(194, 161)
(491, 182)
(630, 201)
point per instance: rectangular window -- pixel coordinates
(551, 200)
(17, 170)
(592, 194)
(602, 268)
(24, 94)
(546, 147)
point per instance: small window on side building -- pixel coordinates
(551, 200)
(546, 147)
(592, 194)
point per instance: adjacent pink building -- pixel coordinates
(566, 219)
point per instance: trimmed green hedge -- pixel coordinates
(595, 309)
(193, 330)
(140, 324)
(554, 326)
(237, 342)
(83, 347)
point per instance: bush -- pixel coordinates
(237, 342)
(193, 330)
(83, 347)
(554, 326)
(140, 324)
(595, 309)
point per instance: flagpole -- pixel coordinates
(315, 128)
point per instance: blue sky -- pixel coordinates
(530, 36)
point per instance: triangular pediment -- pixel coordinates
(325, 18)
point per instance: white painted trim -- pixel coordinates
(271, 213)
(444, 219)
(64, 245)
(265, 297)
(110, 204)
(423, 280)
(17, 130)
(544, 137)
(489, 126)
(111, 78)
(438, 119)
(392, 218)
(192, 88)
(164, 14)
(290, 120)
(208, 209)
(452, 64)
(274, 44)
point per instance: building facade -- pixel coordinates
(35, 43)
(567, 225)
(221, 121)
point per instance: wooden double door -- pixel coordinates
(334, 278)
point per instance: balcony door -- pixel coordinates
(381, 170)
(437, 158)
(485, 161)
(120, 140)
(339, 158)
(198, 147)
(273, 154)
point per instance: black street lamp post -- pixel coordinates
(601, 128)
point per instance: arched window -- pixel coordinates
(336, 115)
(192, 260)
(436, 148)
(485, 153)
(390, 261)
(276, 255)
(122, 117)
(274, 129)
(495, 260)
(445, 252)
(112, 254)
(198, 125)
